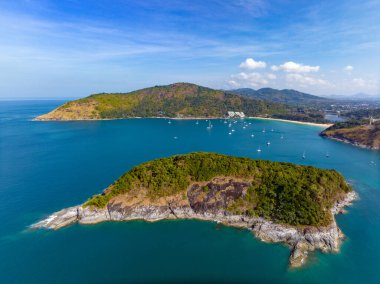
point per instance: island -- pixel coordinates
(277, 201)
(361, 133)
(178, 100)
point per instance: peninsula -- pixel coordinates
(278, 202)
(358, 133)
(179, 100)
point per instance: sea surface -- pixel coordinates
(47, 166)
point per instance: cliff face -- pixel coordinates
(209, 201)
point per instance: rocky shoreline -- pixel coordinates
(302, 240)
(353, 143)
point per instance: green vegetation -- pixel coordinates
(356, 132)
(282, 192)
(176, 100)
(291, 97)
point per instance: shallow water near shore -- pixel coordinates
(47, 166)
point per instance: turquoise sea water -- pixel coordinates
(46, 166)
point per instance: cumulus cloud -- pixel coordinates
(250, 63)
(348, 68)
(306, 80)
(293, 67)
(252, 79)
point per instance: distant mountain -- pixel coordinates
(286, 96)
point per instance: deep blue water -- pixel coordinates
(46, 166)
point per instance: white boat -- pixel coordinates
(169, 122)
(259, 150)
(197, 122)
(263, 130)
(252, 135)
(229, 133)
(327, 154)
(268, 143)
(209, 125)
(304, 155)
(282, 137)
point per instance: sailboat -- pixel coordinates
(209, 125)
(169, 122)
(197, 122)
(263, 130)
(304, 155)
(327, 154)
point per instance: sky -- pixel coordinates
(73, 48)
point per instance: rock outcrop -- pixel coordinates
(301, 239)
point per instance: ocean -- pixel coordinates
(47, 166)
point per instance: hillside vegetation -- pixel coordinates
(356, 132)
(176, 100)
(282, 192)
(286, 96)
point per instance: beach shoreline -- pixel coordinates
(324, 125)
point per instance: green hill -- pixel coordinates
(286, 96)
(209, 182)
(175, 100)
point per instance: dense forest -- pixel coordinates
(282, 192)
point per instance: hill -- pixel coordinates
(175, 100)
(179, 100)
(279, 202)
(286, 96)
(355, 132)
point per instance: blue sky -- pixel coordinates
(72, 48)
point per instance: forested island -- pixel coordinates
(278, 202)
(179, 100)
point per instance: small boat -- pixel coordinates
(175, 137)
(252, 135)
(304, 155)
(282, 137)
(169, 122)
(263, 130)
(244, 127)
(259, 150)
(209, 125)
(233, 130)
(268, 143)
(197, 122)
(272, 130)
(229, 133)
(327, 154)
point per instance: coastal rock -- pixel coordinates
(302, 240)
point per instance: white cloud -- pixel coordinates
(271, 76)
(306, 80)
(252, 79)
(233, 84)
(291, 66)
(348, 68)
(250, 63)
(364, 84)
